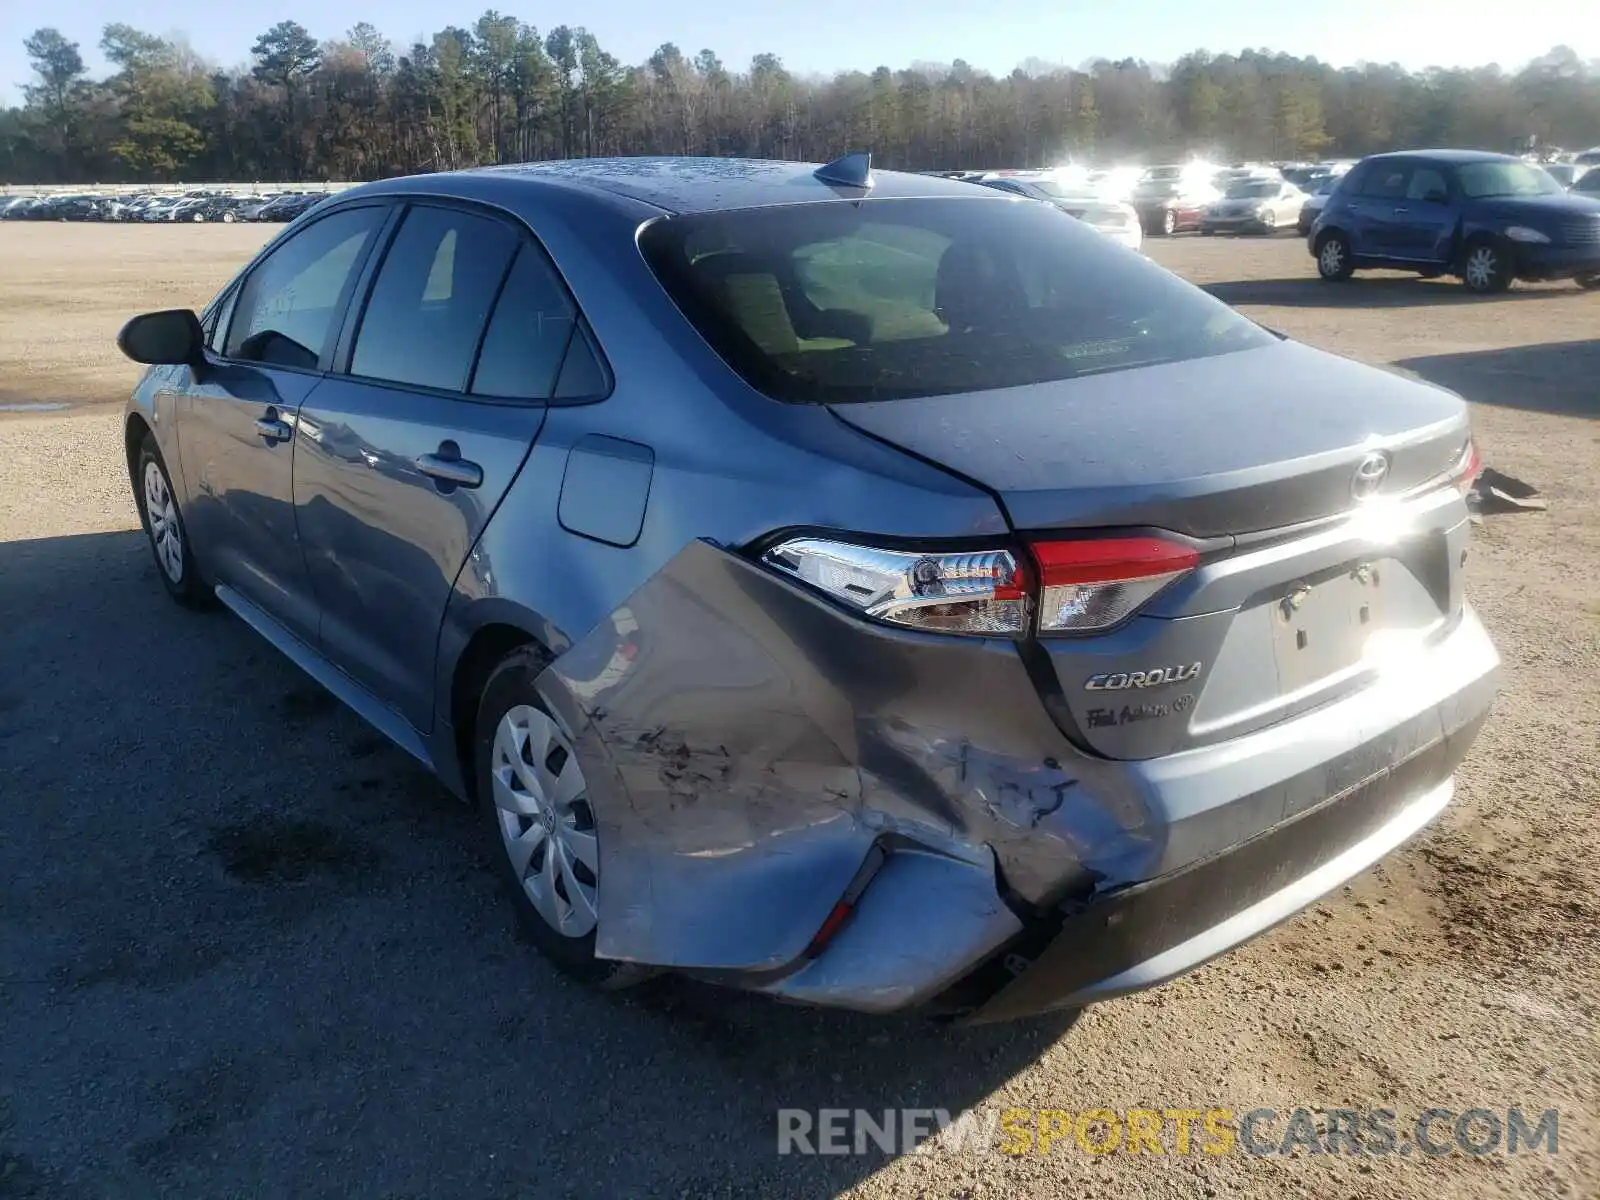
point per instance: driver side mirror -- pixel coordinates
(172, 336)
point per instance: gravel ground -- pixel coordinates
(248, 949)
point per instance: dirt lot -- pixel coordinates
(248, 949)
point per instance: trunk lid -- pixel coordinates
(1253, 454)
(1234, 443)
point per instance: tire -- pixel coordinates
(198, 217)
(1335, 263)
(1269, 223)
(1486, 266)
(228, 218)
(164, 529)
(522, 762)
(1588, 283)
(1169, 222)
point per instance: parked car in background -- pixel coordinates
(1566, 174)
(16, 208)
(1487, 218)
(1587, 184)
(225, 209)
(1171, 199)
(851, 586)
(1316, 200)
(1254, 204)
(288, 207)
(1116, 220)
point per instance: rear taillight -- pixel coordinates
(1093, 585)
(1467, 469)
(1080, 586)
(980, 592)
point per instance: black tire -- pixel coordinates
(1335, 261)
(186, 584)
(1588, 283)
(1498, 270)
(511, 685)
(1169, 222)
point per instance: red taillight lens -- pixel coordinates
(1083, 586)
(1093, 585)
(1468, 467)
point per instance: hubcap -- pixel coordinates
(546, 824)
(162, 513)
(1169, 221)
(1332, 257)
(1480, 267)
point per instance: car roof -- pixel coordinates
(1449, 156)
(699, 185)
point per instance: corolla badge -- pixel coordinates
(1369, 477)
(1116, 681)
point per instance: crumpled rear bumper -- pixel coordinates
(754, 754)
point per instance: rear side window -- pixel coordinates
(291, 303)
(528, 336)
(1386, 181)
(843, 301)
(430, 302)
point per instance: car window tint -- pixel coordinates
(1386, 181)
(1426, 183)
(583, 375)
(528, 333)
(291, 303)
(431, 299)
(838, 303)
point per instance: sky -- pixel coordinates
(824, 36)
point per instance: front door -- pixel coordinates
(1425, 219)
(238, 412)
(406, 452)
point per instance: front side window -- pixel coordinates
(291, 304)
(431, 299)
(1482, 180)
(842, 301)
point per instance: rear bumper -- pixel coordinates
(754, 756)
(1149, 933)
(1557, 262)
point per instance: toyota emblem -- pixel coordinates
(1374, 469)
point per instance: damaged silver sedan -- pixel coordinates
(856, 587)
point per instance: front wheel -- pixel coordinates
(1485, 267)
(1269, 222)
(1335, 263)
(163, 524)
(1169, 222)
(228, 218)
(198, 217)
(535, 800)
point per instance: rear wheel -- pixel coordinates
(1335, 263)
(533, 794)
(198, 217)
(228, 218)
(1485, 266)
(1169, 222)
(1269, 222)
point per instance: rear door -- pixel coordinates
(408, 448)
(236, 429)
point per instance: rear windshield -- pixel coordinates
(834, 302)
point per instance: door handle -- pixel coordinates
(451, 469)
(272, 429)
(1401, 211)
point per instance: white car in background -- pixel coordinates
(1256, 204)
(1113, 218)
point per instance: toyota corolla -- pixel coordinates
(857, 587)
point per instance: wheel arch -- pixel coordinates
(135, 430)
(472, 644)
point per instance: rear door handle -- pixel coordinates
(450, 468)
(272, 429)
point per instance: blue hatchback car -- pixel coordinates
(863, 588)
(1487, 218)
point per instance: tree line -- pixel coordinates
(500, 91)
